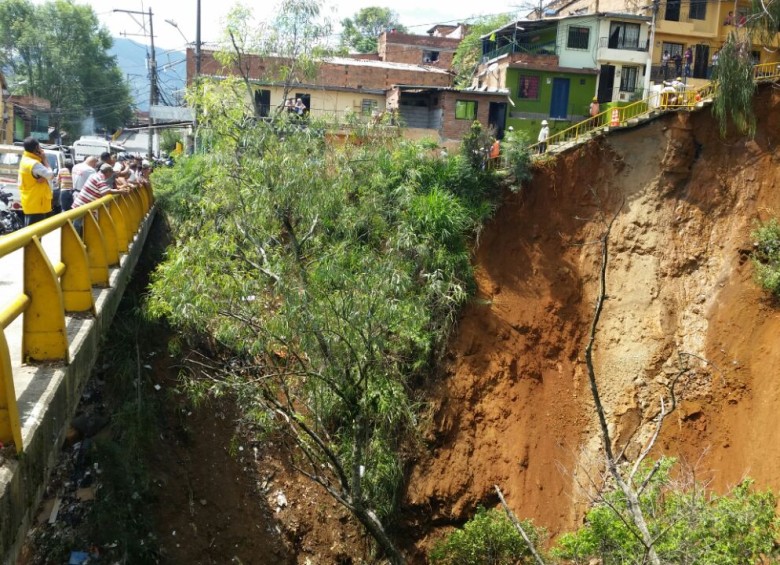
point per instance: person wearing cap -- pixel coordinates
(96, 186)
(544, 133)
(594, 111)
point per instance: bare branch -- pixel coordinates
(519, 526)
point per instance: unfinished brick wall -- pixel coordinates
(410, 49)
(374, 77)
(453, 128)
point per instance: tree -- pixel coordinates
(469, 52)
(329, 277)
(59, 51)
(291, 45)
(362, 32)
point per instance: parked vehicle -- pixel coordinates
(92, 146)
(10, 220)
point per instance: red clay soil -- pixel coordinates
(512, 407)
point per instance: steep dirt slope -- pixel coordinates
(513, 408)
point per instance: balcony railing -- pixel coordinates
(548, 48)
(621, 43)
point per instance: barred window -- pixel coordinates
(579, 37)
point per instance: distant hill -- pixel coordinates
(131, 58)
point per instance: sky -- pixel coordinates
(417, 16)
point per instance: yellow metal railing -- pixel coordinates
(52, 290)
(677, 100)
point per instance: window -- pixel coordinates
(528, 87)
(628, 79)
(263, 102)
(465, 110)
(673, 49)
(578, 37)
(367, 107)
(672, 13)
(623, 36)
(430, 56)
(698, 10)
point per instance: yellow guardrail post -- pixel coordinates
(96, 251)
(43, 335)
(127, 213)
(108, 229)
(76, 282)
(10, 424)
(120, 226)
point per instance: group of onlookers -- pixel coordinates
(79, 184)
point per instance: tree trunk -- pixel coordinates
(372, 524)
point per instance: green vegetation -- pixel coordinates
(361, 32)
(489, 538)
(736, 87)
(689, 523)
(766, 256)
(57, 50)
(330, 273)
(469, 51)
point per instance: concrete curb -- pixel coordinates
(49, 402)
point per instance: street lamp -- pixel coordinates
(174, 24)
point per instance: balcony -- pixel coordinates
(618, 50)
(548, 48)
(622, 44)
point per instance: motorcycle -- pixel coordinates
(9, 220)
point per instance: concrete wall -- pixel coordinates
(574, 58)
(45, 418)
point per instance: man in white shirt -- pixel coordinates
(82, 172)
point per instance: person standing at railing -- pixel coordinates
(544, 133)
(712, 71)
(34, 187)
(82, 171)
(594, 111)
(688, 61)
(65, 182)
(665, 64)
(96, 186)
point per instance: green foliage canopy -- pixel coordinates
(332, 274)
(766, 257)
(58, 51)
(489, 538)
(690, 525)
(469, 52)
(361, 32)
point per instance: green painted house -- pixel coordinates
(549, 66)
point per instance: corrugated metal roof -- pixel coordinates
(384, 65)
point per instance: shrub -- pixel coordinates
(489, 538)
(766, 256)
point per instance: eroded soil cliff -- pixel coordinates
(513, 407)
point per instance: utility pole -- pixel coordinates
(197, 78)
(152, 86)
(152, 69)
(650, 48)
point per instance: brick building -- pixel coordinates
(352, 85)
(417, 49)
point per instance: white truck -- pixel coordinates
(88, 145)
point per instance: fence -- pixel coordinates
(679, 99)
(50, 291)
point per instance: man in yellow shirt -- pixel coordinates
(34, 187)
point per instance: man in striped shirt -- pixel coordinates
(96, 186)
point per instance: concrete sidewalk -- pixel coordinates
(48, 394)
